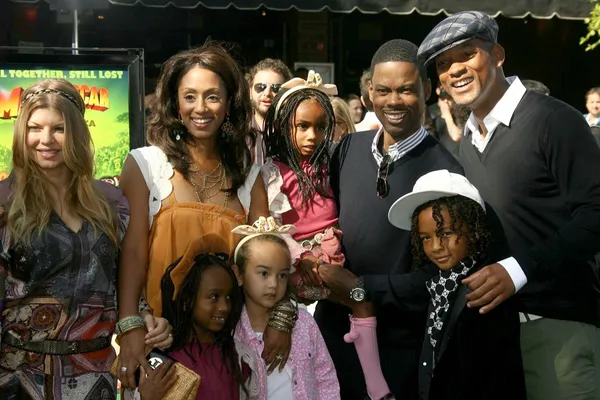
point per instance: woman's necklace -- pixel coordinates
(210, 181)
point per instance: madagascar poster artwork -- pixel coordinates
(106, 96)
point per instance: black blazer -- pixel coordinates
(478, 358)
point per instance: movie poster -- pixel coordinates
(106, 96)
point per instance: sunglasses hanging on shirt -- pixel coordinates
(260, 87)
(383, 187)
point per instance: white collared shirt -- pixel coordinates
(400, 148)
(501, 114)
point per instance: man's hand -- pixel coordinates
(490, 286)
(338, 279)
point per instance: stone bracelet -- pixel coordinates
(128, 324)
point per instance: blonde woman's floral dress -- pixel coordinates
(61, 288)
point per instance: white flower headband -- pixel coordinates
(262, 226)
(313, 81)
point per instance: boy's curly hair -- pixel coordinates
(466, 216)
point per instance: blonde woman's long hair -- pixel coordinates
(29, 208)
(342, 114)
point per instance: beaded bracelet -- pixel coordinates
(128, 324)
(283, 316)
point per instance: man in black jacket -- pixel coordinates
(534, 161)
(368, 173)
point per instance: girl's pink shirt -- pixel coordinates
(313, 373)
(320, 214)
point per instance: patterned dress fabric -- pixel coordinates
(63, 288)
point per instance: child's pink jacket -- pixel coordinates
(313, 373)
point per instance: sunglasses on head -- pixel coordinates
(260, 87)
(383, 187)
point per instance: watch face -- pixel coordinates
(358, 295)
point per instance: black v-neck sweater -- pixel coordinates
(373, 247)
(541, 179)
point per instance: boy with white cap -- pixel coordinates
(466, 355)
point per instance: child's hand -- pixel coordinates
(155, 384)
(308, 270)
(159, 331)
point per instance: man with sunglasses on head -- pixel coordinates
(368, 173)
(265, 80)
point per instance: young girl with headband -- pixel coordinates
(203, 302)
(299, 129)
(262, 265)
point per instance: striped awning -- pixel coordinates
(566, 9)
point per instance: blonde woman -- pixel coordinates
(343, 119)
(59, 242)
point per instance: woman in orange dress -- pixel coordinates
(196, 178)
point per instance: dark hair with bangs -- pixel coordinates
(163, 124)
(281, 145)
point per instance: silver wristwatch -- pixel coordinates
(358, 294)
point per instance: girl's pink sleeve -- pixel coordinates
(328, 387)
(296, 249)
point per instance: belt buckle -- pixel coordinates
(74, 346)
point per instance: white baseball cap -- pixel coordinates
(431, 186)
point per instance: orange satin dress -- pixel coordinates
(174, 227)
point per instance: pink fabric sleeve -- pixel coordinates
(328, 252)
(328, 387)
(296, 250)
(363, 332)
(331, 247)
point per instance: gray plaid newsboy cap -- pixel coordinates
(457, 29)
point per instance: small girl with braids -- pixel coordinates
(299, 129)
(204, 313)
(466, 355)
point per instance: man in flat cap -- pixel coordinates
(536, 165)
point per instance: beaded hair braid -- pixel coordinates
(53, 91)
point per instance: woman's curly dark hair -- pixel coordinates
(179, 312)
(280, 144)
(163, 123)
(466, 216)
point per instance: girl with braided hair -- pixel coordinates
(466, 355)
(299, 128)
